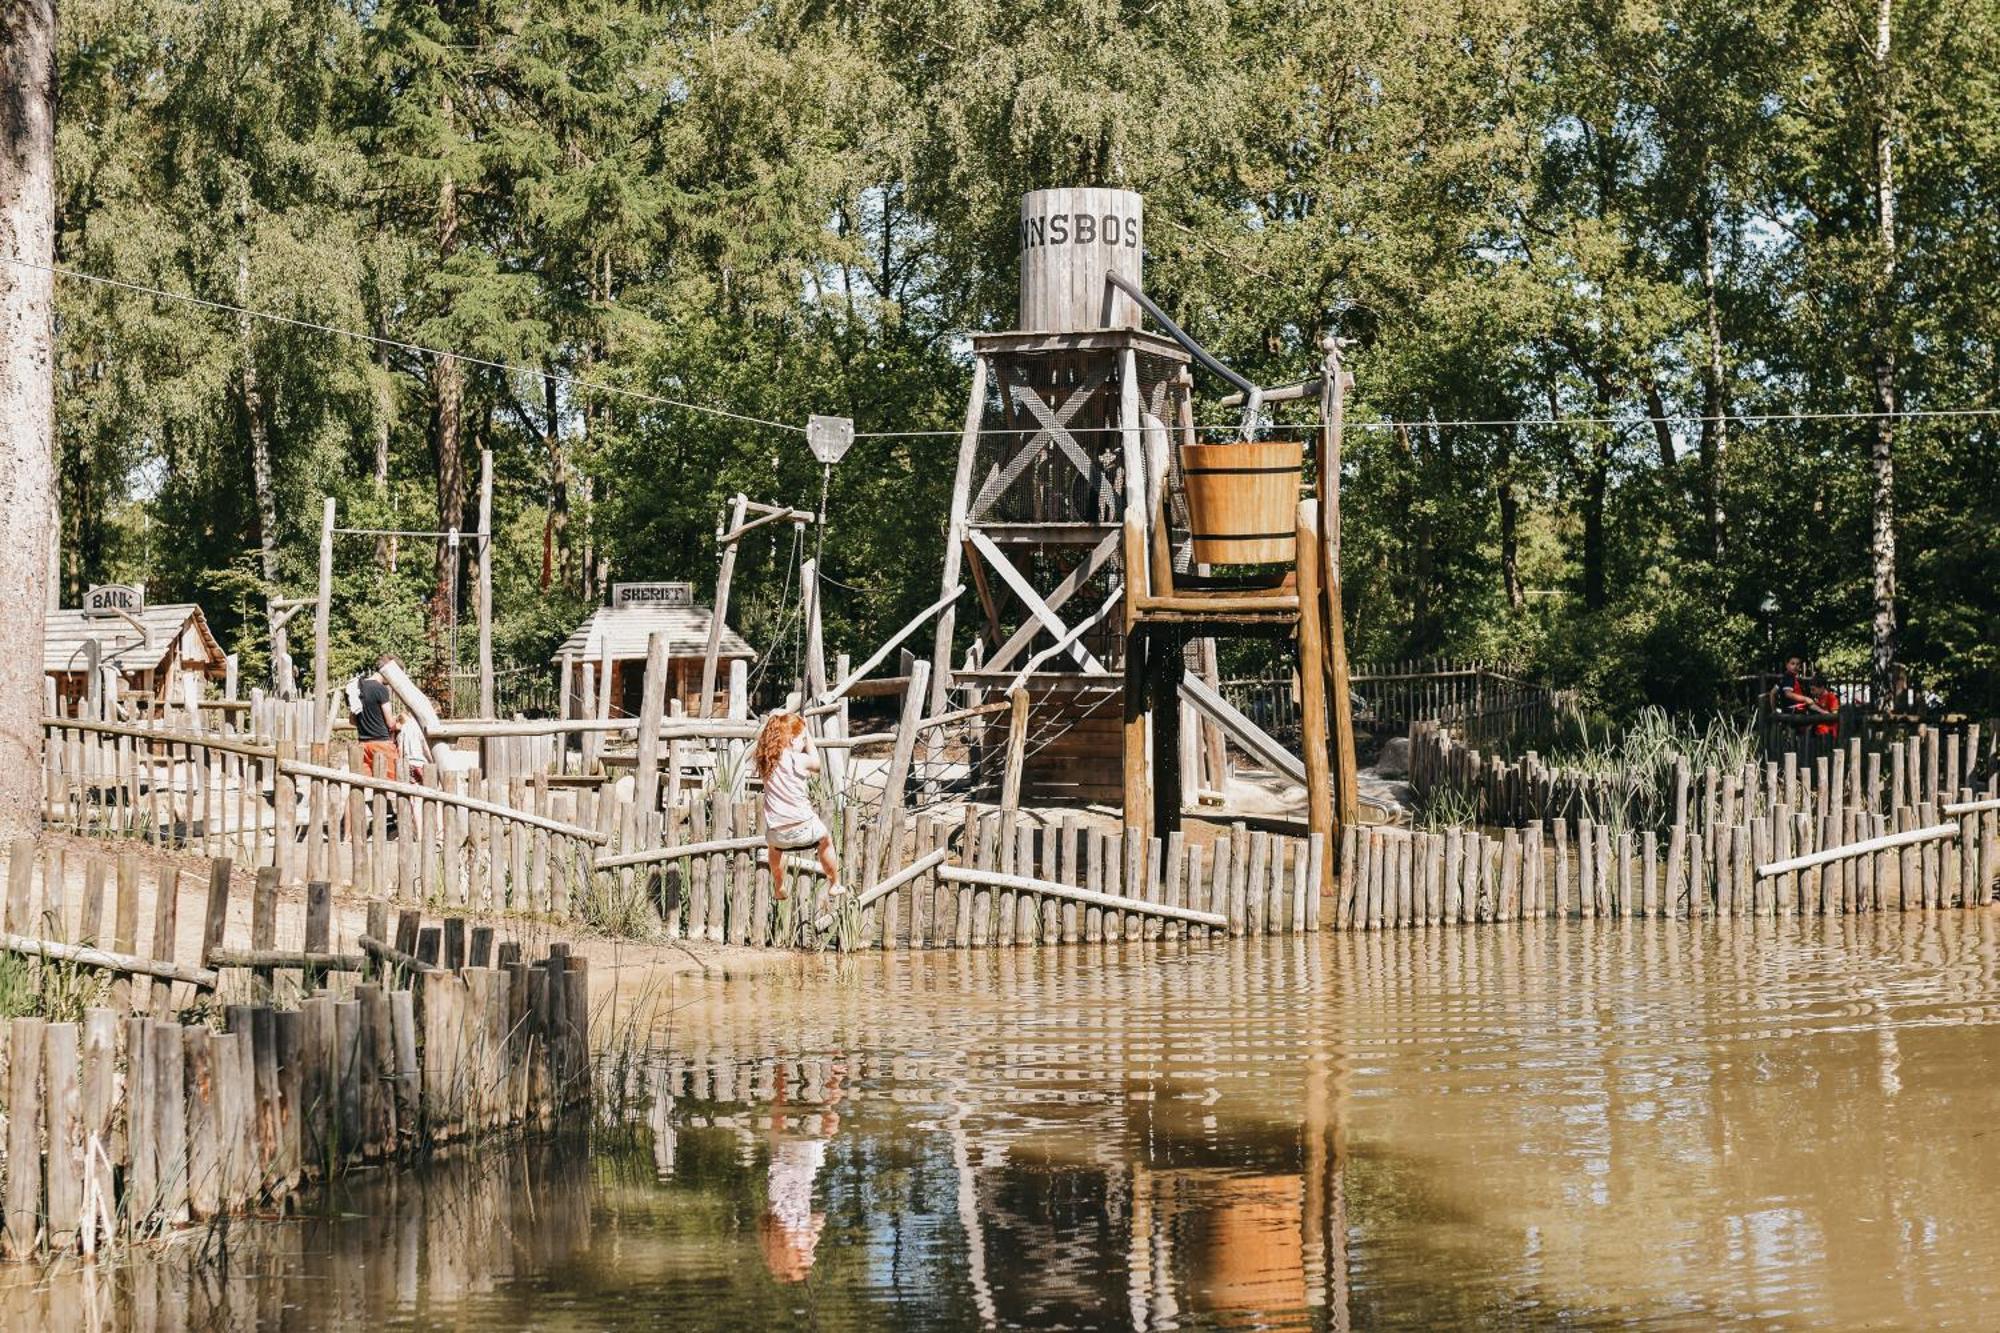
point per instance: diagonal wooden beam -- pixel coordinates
(1099, 556)
(1079, 458)
(986, 602)
(1241, 729)
(1018, 584)
(1054, 425)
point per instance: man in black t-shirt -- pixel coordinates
(371, 724)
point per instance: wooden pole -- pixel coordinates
(1165, 669)
(23, 1198)
(646, 795)
(1055, 889)
(815, 682)
(288, 769)
(723, 578)
(119, 963)
(1333, 412)
(1138, 796)
(322, 621)
(485, 594)
(889, 823)
(1017, 744)
(1313, 681)
(1907, 838)
(954, 538)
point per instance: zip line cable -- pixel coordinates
(598, 386)
(1468, 423)
(592, 386)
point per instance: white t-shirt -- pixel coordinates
(410, 743)
(795, 1165)
(787, 803)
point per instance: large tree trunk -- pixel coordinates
(1882, 462)
(447, 429)
(1715, 393)
(1596, 488)
(1510, 523)
(555, 529)
(27, 394)
(261, 483)
(385, 547)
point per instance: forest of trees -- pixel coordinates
(1729, 272)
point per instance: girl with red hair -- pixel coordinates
(786, 760)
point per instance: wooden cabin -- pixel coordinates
(616, 635)
(152, 647)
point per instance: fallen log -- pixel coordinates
(1828, 855)
(104, 960)
(1089, 897)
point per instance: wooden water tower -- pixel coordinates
(1069, 510)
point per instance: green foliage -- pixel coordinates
(1631, 218)
(1676, 651)
(60, 992)
(1639, 760)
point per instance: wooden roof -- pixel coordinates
(625, 630)
(121, 644)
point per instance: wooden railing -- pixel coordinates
(1484, 706)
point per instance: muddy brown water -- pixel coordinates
(1651, 1124)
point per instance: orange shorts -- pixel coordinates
(379, 758)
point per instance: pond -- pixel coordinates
(1643, 1123)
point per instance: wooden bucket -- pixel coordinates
(1243, 500)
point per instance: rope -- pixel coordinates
(786, 616)
(819, 554)
(227, 307)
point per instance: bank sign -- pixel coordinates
(652, 594)
(108, 599)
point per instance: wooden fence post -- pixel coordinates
(23, 1196)
(1017, 739)
(889, 821)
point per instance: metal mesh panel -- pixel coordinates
(1024, 472)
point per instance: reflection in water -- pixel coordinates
(1662, 1123)
(789, 1228)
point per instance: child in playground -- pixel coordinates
(786, 760)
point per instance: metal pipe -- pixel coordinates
(1180, 336)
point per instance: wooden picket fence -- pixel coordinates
(986, 878)
(466, 839)
(531, 841)
(1783, 863)
(133, 1122)
(1931, 766)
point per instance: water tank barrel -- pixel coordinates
(1069, 240)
